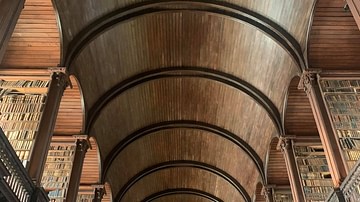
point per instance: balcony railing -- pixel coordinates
(15, 184)
(350, 189)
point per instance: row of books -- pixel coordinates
(325, 189)
(60, 153)
(339, 83)
(20, 135)
(335, 97)
(315, 175)
(23, 155)
(348, 133)
(24, 83)
(4, 92)
(345, 106)
(16, 126)
(352, 155)
(21, 144)
(346, 125)
(57, 193)
(312, 161)
(21, 108)
(57, 172)
(85, 197)
(313, 168)
(345, 118)
(58, 166)
(318, 182)
(21, 99)
(20, 116)
(349, 143)
(58, 169)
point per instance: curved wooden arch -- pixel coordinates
(184, 124)
(198, 72)
(186, 191)
(267, 26)
(183, 163)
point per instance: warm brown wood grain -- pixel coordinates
(35, 42)
(334, 38)
(9, 14)
(299, 118)
(276, 169)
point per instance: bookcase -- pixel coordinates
(342, 100)
(58, 166)
(314, 171)
(282, 194)
(85, 194)
(21, 107)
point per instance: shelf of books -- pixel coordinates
(282, 194)
(342, 98)
(57, 169)
(314, 172)
(85, 194)
(21, 107)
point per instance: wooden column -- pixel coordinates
(99, 193)
(267, 192)
(354, 6)
(293, 173)
(81, 148)
(46, 127)
(337, 168)
(9, 13)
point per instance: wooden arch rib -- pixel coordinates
(198, 72)
(182, 191)
(187, 164)
(185, 124)
(267, 26)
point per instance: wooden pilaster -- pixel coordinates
(267, 192)
(338, 169)
(9, 13)
(293, 173)
(81, 148)
(46, 127)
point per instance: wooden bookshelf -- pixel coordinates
(58, 168)
(85, 194)
(342, 98)
(282, 195)
(21, 107)
(314, 172)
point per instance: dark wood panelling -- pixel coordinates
(299, 118)
(9, 14)
(35, 42)
(276, 167)
(335, 37)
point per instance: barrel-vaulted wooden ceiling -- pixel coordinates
(184, 96)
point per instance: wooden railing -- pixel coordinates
(350, 188)
(15, 184)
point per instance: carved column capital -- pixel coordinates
(61, 75)
(307, 80)
(284, 144)
(82, 145)
(266, 191)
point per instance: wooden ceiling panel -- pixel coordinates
(276, 167)
(183, 144)
(299, 119)
(292, 15)
(70, 116)
(170, 40)
(183, 99)
(334, 37)
(205, 62)
(183, 177)
(35, 42)
(91, 167)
